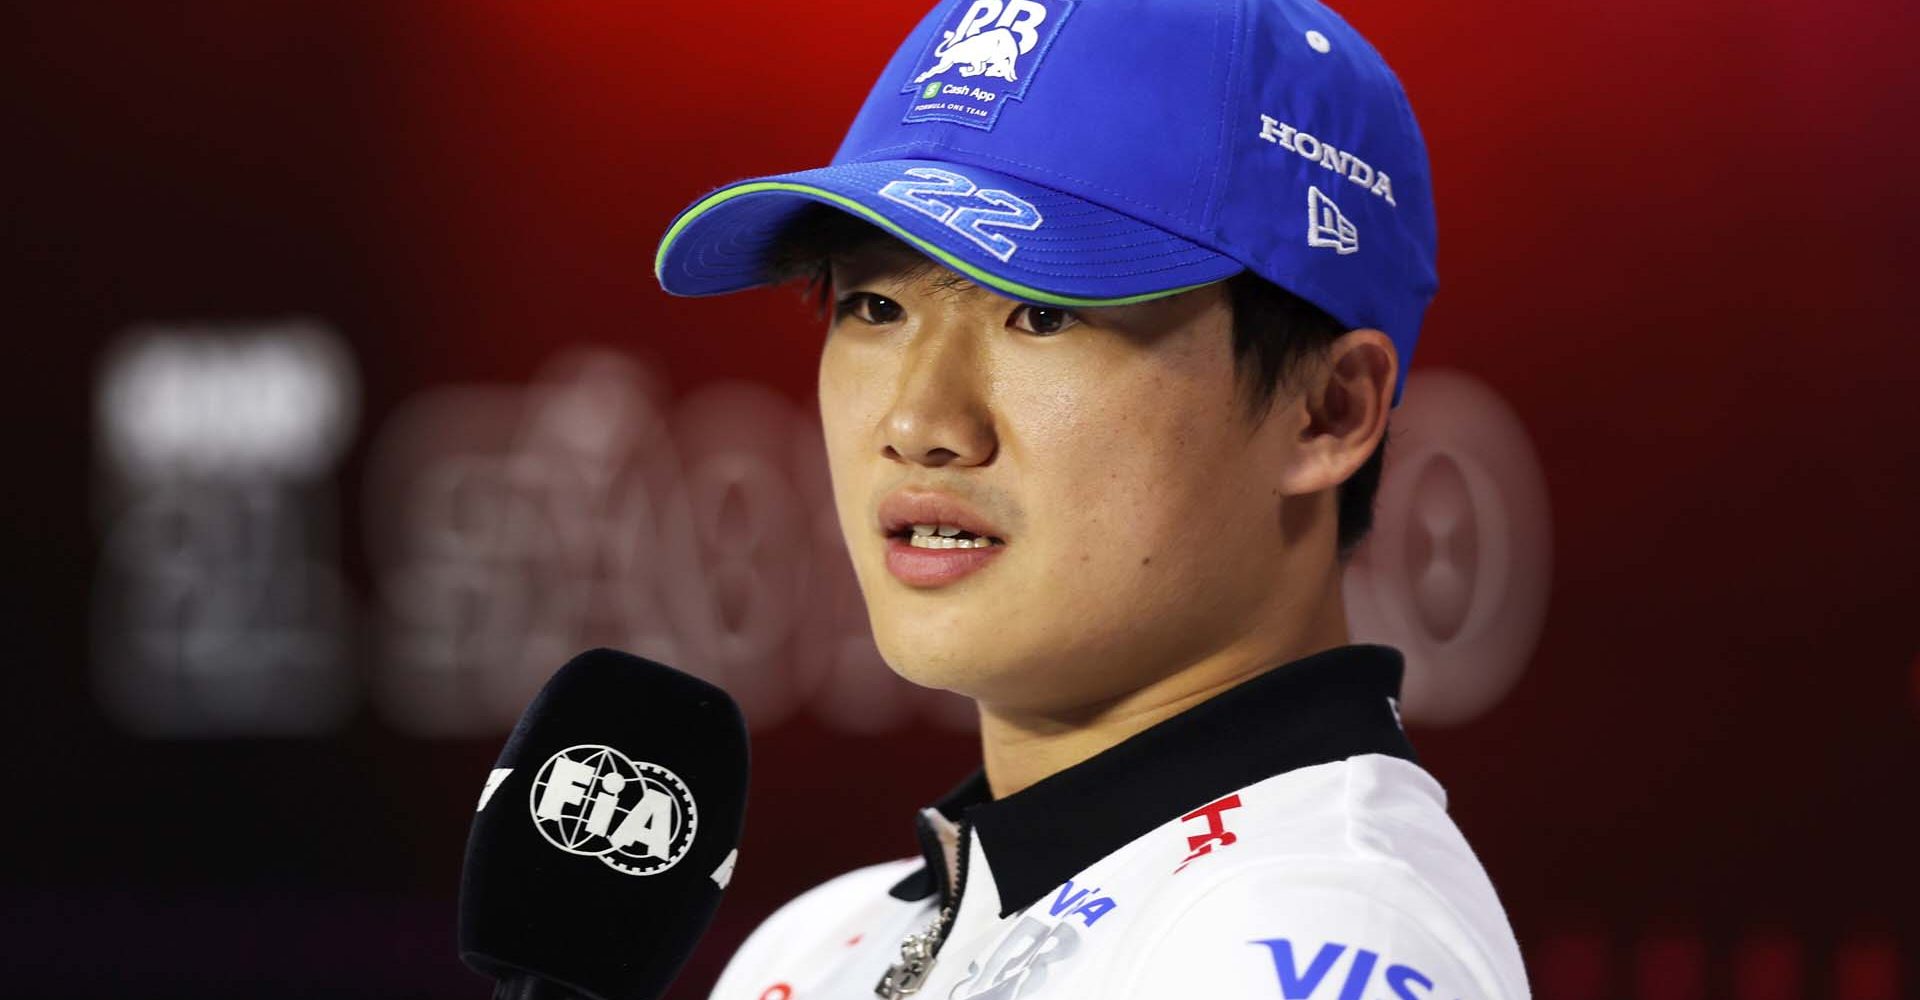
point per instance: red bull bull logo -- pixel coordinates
(985, 57)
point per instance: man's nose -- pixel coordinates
(940, 414)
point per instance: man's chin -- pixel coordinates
(981, 678)
(962, 667)
(916, 664)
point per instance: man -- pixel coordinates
(1122, 295)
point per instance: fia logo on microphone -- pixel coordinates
(593, 800)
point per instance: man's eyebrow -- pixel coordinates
(903, 264)
(951, 280)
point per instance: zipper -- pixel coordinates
(919, 949)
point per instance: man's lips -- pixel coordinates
(924, 566)
(904, 508)
(928, 568)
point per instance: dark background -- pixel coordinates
(1675, 237)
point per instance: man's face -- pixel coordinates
(1110, 452)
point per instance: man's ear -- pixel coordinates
(1343, 413)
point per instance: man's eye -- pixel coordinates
(868, 308)
(1044, 320)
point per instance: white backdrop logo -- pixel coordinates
(219, 609)
(1457, 569)
(634, 816)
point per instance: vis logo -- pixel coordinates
(1298, 983)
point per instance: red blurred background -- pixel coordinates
(1674, 237)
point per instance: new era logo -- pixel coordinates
(1326, 227)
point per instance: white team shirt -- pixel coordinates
(1277, 841)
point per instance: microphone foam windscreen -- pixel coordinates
(607, 829)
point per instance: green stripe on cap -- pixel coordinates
(1012, 288)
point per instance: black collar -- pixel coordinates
(1325, 707)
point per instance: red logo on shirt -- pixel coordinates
(1217, 833)
(778, 991)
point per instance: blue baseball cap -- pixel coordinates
(1101, 152)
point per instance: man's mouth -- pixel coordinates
(944, 536)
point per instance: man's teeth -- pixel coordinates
(936, 542)
(945, 536)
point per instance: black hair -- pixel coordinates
(1275, 334)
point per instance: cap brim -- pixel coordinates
(1018, 238)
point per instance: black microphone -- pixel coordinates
(605, 834)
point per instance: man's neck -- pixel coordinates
(1019, 748)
